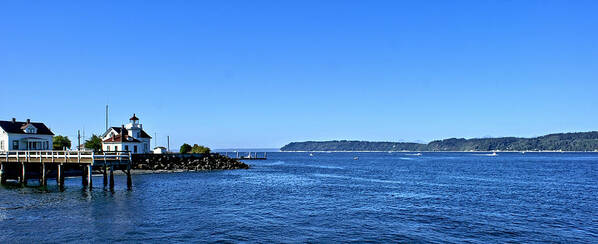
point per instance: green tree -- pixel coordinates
(61, 142)
(185, 148)
(200, 149)
(95, 143)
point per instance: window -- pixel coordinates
(107, 148)
(1, 145)
(115, 148)
(135, 149)
(15, 145)
(126, 148)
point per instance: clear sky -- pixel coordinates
(230, 74)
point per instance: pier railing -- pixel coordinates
(80, 157)
(246, 155)
(49, 160)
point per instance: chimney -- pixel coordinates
(122, 134)
(14, 120)
(28, 121)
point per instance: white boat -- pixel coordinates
(355, 158)
(311, 154)
(492, 154)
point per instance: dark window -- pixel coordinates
(134, 148)
(126, 148)
(15, 145)
(115, 148)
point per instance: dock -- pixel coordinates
(246, 155)
(20, 165)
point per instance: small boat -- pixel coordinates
(493, 154)
(311, 154)
(356, 158)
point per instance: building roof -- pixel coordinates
(24, 126)
(117, 138)
(142, 134)
(134, 117)
(17, 127)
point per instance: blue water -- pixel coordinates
(292, 197)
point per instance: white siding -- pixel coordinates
(3, 140)
(122, 146)
(8, 139)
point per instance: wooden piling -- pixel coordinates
(23, 173)
(105, 170)
(44, 180)
(89, 175)
(2, 175)
(59, 175)
(84, 176)
(105, 173)
(129, 180)
(111, 176)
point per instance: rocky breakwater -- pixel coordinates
(185, 162)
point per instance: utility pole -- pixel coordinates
(106, 117)
(168, 143)
(78, 140)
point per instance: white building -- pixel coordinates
(16, 135)
(160, 150)
(130, 137)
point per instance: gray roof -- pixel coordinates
(17, 127)
(142, 134)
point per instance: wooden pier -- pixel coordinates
(246, 155)
(19, 165)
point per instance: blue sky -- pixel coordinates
(230, 74)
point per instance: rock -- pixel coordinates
(187, 162)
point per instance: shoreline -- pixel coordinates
(161, 171)
(446, 151)
(149, 171)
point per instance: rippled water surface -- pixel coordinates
(292, 197)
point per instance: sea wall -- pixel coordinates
(196, 162)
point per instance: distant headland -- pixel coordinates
(579, 141)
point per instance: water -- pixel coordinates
(292, 197)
